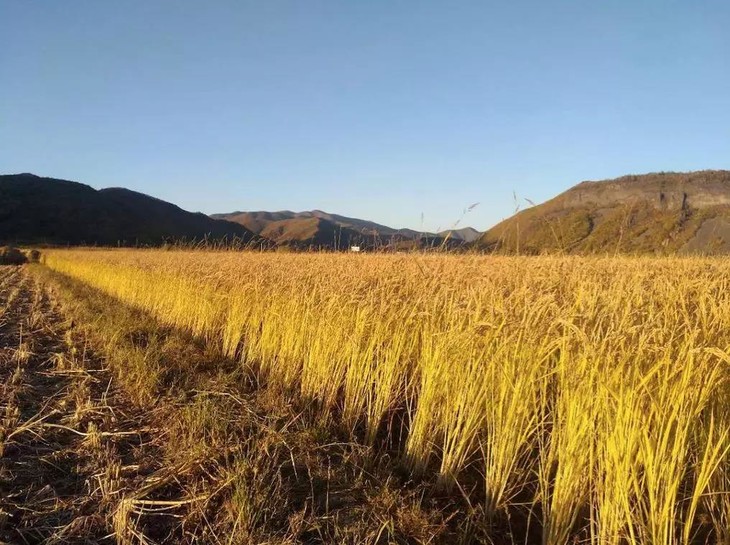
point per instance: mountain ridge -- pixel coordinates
(359, 230)
(42, 210)
(661, 212)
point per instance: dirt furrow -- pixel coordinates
(69, 443)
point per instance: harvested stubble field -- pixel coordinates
(479, 399)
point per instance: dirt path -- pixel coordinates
(70, 445)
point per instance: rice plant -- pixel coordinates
(593, 391)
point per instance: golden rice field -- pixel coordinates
(592, 395)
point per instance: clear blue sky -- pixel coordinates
(382, 110)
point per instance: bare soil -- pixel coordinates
(71, 443)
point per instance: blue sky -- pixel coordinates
(392, 111)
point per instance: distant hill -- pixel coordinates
(36, 210)
(364, 227)
(311, 232)
(312, 229)
(256, 221)
(664, 212)
(467, 234)
(320, 228)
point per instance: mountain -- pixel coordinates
(466, 234)
(311, 232)
(320, 228)
(362, 226)
(665, 212)
(256, 221)
(36, 210)
(309, 229)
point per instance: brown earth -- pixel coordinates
(71, 443)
